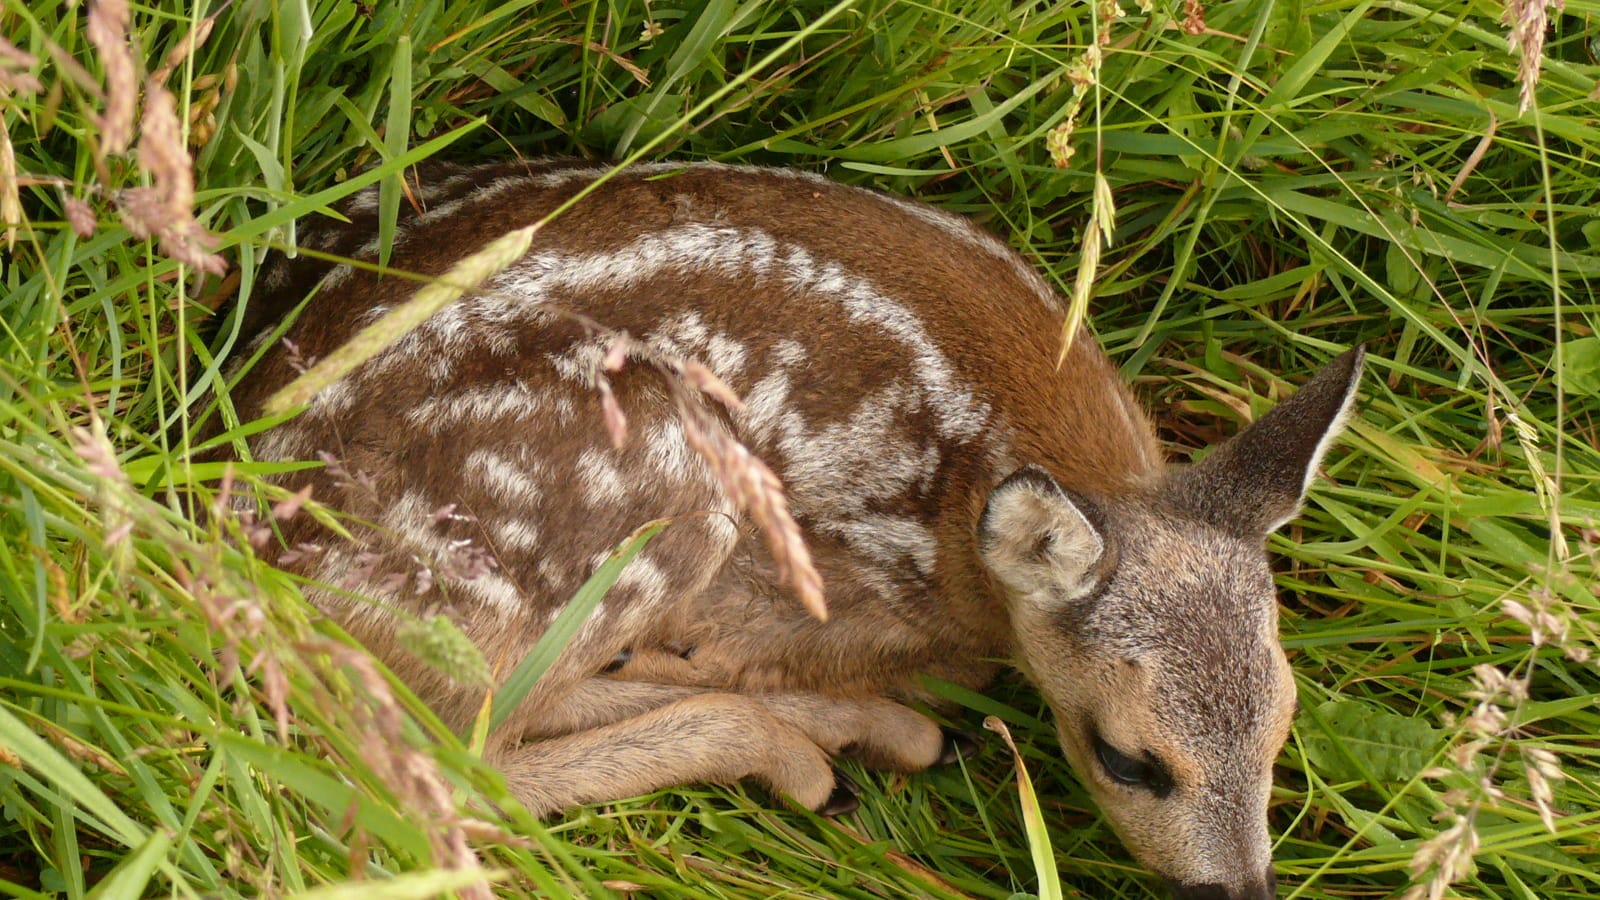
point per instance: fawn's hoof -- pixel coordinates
(958, 745)
(843, 800)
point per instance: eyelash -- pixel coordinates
(1147, 773)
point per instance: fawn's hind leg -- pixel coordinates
(607, 739)
(699, 738)
(881, 733)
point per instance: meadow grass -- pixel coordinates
(1232, 192)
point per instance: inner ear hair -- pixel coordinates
(1037, 536)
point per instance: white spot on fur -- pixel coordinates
(688, 331)
(721, 525)
(504, 480)
(516, 534)
(581, 362)
(565, 177)
(646, 579)
(889, 540)
(759, 172)
(790, 353)
(493, 404)
(364, 202)
(736, 251)
(333, 566)
(411, 521)
(838, 470)
(596, 627)
(283, 442)
(277, 277)
(553, 571)
(668, 453)
(601, 481)
(725, 355)
(493, 590)
(433, 192)
(256, 343)
(768, 411)
(335, 277)
(487, 195)
(558, 178)
(958, 413)
(333, 400)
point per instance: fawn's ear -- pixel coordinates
(1039, 540)
(1257, 480)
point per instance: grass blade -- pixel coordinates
(566, 624)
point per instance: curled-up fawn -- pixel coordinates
(964, 497)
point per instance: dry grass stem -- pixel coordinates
(16, 70)
(616, 420)
(755, 489)
(1473, 158)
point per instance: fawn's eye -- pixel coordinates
(1147, 773)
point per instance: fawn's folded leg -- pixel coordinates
(700, 738)
(607, 739)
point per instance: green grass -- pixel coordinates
(175, 721)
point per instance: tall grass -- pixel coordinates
(1274, 181)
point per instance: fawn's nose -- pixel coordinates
(1262, 888)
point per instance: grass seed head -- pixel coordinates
(108, 32)
(1529, 21)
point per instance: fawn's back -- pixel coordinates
(894, 363)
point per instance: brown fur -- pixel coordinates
(897, 365)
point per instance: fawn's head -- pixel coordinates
(1151, 627)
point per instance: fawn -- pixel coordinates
(963, 496)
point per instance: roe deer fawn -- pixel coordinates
(965, 498)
